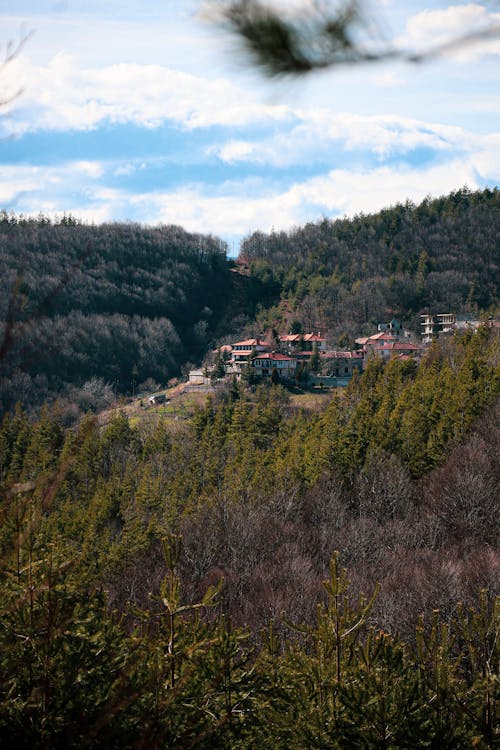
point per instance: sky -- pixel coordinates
(145, 111)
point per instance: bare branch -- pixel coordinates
(13, 50)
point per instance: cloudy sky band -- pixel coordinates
(158, 125)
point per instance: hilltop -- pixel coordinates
(343, 276)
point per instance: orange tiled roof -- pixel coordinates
(313, 337)
(275, 356)
(252, 343)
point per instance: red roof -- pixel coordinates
(313, 337)
(304, 337)
(275, 356)
(341, 355)
(252, 343)
(399, 346)
(382, 336)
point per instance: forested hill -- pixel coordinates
(342, 275)
(108, 306)
(91, 311)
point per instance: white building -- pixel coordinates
(284, 365)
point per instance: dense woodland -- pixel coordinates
(91, 312)
(183, 586)
(346, 275)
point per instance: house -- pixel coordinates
(427, 331)
(436, 325)
(242, 351)
(386, 345)
(341, 364)
(314, 340)
(444, 323)
(250, 344)
(391, 340)
(265, 363)
(394, 327)
(390, 349)
(302, 344)
(367, 344)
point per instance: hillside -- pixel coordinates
(182, 585)
(91, 312)
(343, 276)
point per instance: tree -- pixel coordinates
(302, 373)
(322, 35)
(135, 373)
(249, 374)
(315, 361)
(66, 668)
(218, 369)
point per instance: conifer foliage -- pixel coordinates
(188, 587)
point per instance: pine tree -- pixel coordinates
(315, 361)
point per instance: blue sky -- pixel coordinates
(141, 110)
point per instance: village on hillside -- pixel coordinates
(306, 359)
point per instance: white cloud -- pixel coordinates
(89, 168)
(108, 33)
(30, 186)
(238, 211)
(234, 210)
(60, 96)
(18, 184)
(432, 28)
(321, 136)
(352, 192)
(234, 151)
(351, 150)
(486, 160)
(388, 79)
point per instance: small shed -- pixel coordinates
(198, 377)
